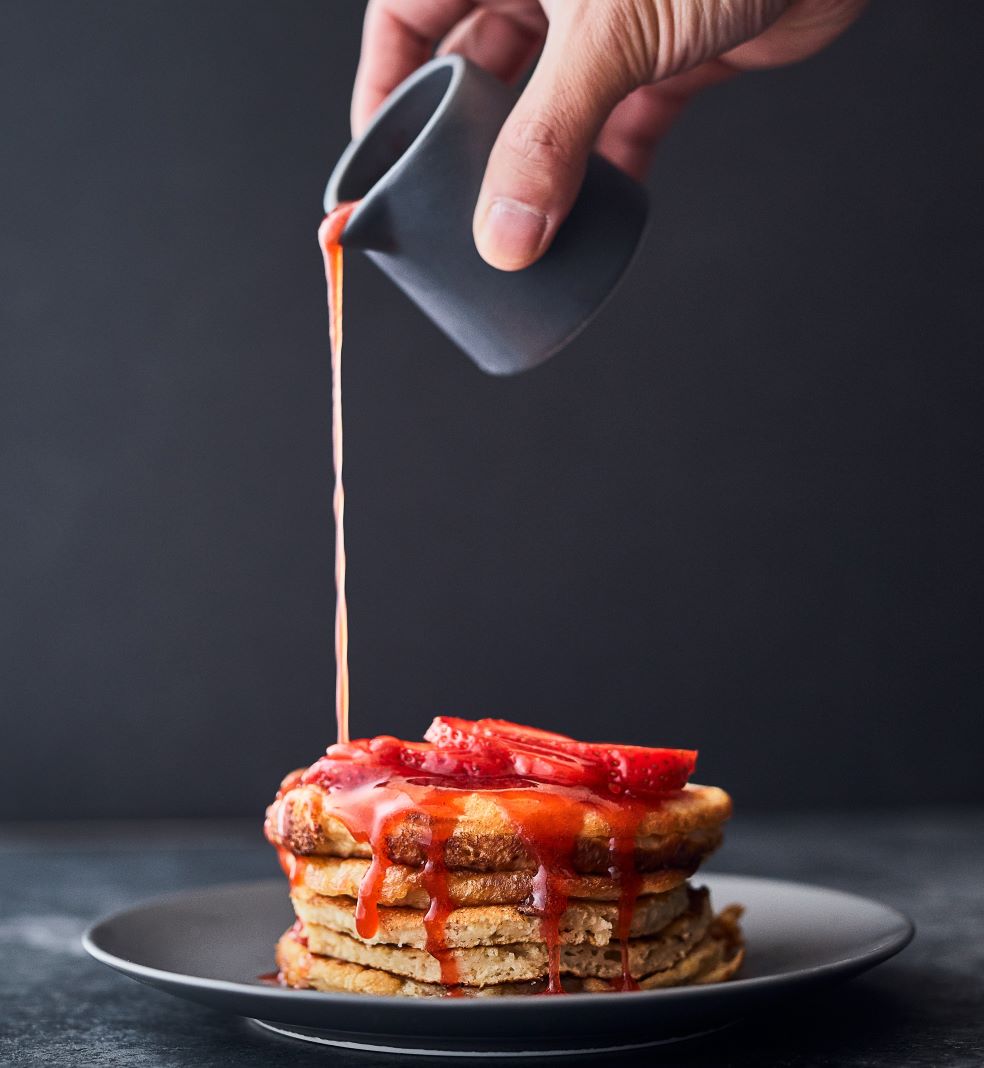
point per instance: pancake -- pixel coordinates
(677, 831)
(584, 922)
(519, 962)
(714, 958)
(401, 885)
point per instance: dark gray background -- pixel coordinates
(743, 512)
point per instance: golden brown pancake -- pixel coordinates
(332, 877)
(713, 958)
(677, 831)
(584, 922)
(519, 962)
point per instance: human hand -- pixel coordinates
(612, 75)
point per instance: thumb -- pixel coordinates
(538, 161)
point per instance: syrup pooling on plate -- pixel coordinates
(329, 238)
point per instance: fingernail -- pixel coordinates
(511, 233)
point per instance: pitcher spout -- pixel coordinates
(367, 228)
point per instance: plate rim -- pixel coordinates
(888, 947)
(484, 1054)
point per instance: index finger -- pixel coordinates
(398, 37)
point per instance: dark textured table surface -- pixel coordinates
(924, 1008)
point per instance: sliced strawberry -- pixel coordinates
(357, 750)
(484, 758)
(518, 732)
(486, 750)
(367, 759)
(396, 753)
(647, 771)
(554, 757)
(330, 773)
(454, 733)
(544, 764)
(534, 754)
(490, 763)
(449, 732)
(634, 768)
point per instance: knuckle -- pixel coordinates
(538, 142)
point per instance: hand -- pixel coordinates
(612, 75)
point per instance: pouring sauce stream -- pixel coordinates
(329, 238)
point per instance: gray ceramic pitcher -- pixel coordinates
(418, 169)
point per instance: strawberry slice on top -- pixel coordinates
(555, 757)
(484, 752)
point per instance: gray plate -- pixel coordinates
(212, 945)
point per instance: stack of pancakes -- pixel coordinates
(492, 931)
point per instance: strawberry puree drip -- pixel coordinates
(549, 824)
(371, 812)
(624, 823)
(442, 824)
(294, 867)
(329, 237)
